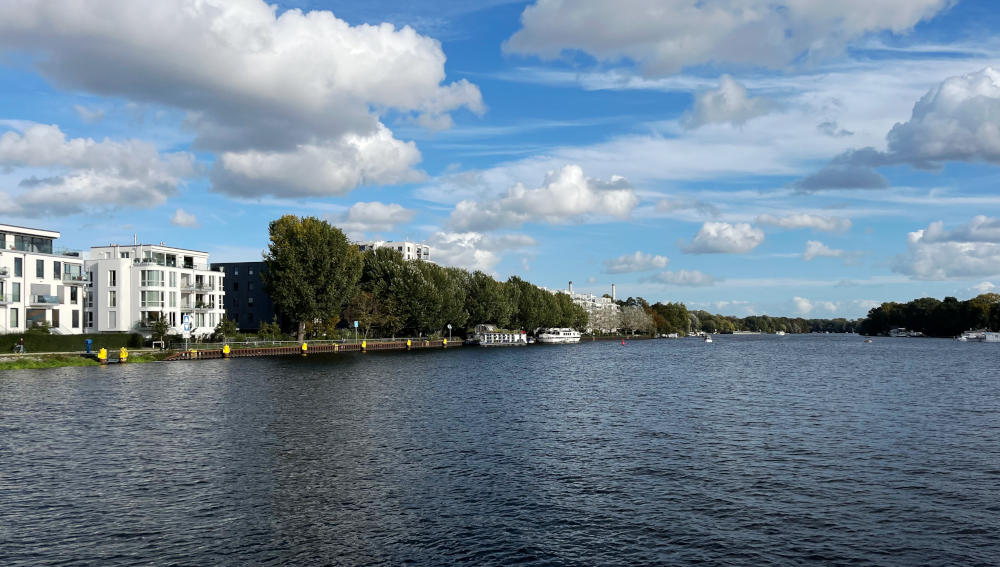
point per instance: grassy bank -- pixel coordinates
(29, 361)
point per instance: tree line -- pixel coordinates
(934, 317)
(319, 281)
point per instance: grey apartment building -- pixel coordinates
(246, 301)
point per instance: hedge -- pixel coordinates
(35, 342)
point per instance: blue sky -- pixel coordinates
(787, 158)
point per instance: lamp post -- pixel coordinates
(449, 332)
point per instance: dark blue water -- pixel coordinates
(750, 450)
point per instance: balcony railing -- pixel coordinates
(43, 300)
(76, 278)
(192, 286)
(5, 299)
(4, 272)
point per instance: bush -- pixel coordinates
(35, 342)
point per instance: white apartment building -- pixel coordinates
(409, 250)
(39, 284)
(603, 313)
(132, 286)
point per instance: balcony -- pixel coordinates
(44, 300)
(6, 299)
(189, 286)
(76, 279)
(4, 273)
(203, 307)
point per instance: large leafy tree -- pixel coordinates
(312, 270)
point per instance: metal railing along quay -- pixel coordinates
(287, 348)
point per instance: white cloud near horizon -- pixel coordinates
(474, 250)
(635, 262)
(688, 278)
(728, 103)
(363, 218)
(816, 249)
(971, 250)
(805, 220)
(183, 218)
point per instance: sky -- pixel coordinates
(780, 157)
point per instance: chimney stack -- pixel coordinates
(613, 297)
(571, 288)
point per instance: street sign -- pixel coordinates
(355, 324)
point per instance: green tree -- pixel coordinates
(225, 328)
(312, 270)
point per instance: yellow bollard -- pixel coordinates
(305, 348)
(194, 353)
(409, 344)
(444, 343)
(364, 345)
(102, 355)
(123, 355)
(225, 351)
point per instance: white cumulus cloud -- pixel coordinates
(664, 36)
(566, 195)
(635, 262)
(968, 251)
(474, 250)
(262, 87)
(724, 238)
(83, 174)
(372, 217)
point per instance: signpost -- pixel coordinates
(355, 331)
(186, 320)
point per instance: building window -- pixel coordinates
(90, 301)
(250, 301)
(76, 319)
(236, 286)
(173, 319)
(173, 299)
(18, 267)
(55, 318)
(74, 295)
(39, 268)
(57, 270)
(250, 316)
(124, 255)
(90, 319)
(236, 270)
(152, 278)
(173, 279)
(250, 271)
(15, 291)
(250, 286)
(112, 319)
(152, 299)
(112, 298)
(13, 317)
(33, 244)
(112, 277)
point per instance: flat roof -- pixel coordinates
(149, 245)
(29, 231)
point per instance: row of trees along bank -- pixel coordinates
(934, 317)
(319, 281)
(315, 276)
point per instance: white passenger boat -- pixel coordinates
(557, 336)
(708, 338)
(780, 333)
(488, 335)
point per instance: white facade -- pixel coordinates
(134, 285)
(603, 313)
(39, 284)
(409, 250)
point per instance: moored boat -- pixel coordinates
(557, 336)
(488, 335)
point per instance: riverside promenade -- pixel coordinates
(307, 348)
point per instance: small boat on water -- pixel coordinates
(979, 336)
(779, 333)
(557, 336)
(708, 338)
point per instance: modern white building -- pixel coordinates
(38, 283)
(409, 250)
(132, 286)
(603, 313)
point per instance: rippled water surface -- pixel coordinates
(750, 450)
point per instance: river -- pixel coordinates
(750, 450)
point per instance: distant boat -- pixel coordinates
(779, 333)
(708, 338)
(557, 336)
(868, 340)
